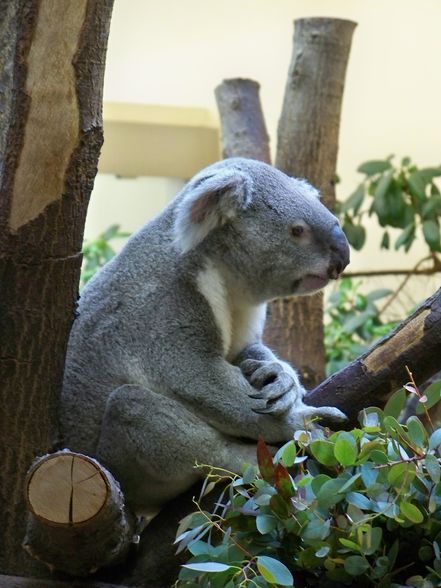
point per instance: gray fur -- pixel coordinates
(153, 381)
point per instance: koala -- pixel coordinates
(165, 363)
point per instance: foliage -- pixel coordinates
(353, 323)
(98, 252)
(359, 508)
(401, 196)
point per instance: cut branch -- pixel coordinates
(78, 521)
(243, 126)
(370, 379)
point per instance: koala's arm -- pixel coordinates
(219, 393)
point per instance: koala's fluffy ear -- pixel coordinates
(212, 201)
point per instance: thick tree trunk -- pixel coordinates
(307, 147)
(243, 126)
(52, 64)
(76, 507)
(369, 380)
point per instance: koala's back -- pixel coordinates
(113, 337)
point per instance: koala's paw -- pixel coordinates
(272, 384)
(306, 416)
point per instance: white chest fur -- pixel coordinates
(239, 323)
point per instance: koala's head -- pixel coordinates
(269, 231)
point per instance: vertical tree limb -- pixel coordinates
(243, 126)
(307, 147)
(52, 56)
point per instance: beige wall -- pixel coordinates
(174, 52)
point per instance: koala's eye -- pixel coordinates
(297, 230)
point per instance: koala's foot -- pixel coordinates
(274, 384)
(303, 416)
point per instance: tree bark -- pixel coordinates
(370, 379)
(21, 582)
(243, 128)
(52, 64)
(76, 507)
(307, 147)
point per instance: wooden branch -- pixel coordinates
(243, 126)
(370, 379)
(307, 147)
(78, 521)
(392, 272)
(52, 56)
(21, 582)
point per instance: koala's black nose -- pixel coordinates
(339, 247)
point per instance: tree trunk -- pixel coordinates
(307, 147)
(243, 126)
(370, 379)
(76, 507)
(52, 64)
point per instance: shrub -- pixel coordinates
(358, 508)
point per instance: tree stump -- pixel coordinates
(78, 521)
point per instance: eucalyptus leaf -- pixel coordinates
(210, 566)
(374, 166)
(355, 565)
(274, 571)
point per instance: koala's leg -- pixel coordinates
(151, 443)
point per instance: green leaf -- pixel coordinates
(358, 500)
(435, 439)
(356, 234)
(354, 201)
(323, 551)
(265, 523)
(288, 454)
(411, 512)
(323, 451)
(396, 403)
(379, 457)
(401, 473)
(265, 461)
(370, 419)
(355, 322)
(345, 449)
(378, 294)
(350, 482)
(316, 529)
(433, 205)
(373, 167)
(385, 241)
(433, 468)
(381, 205)
(274, 571)
(417, 185)
(209, 566)
(431, 233)
(350, 544)
(329, 493)
(416, 430)
(356, 565)
(433, 394)
(406, 236)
